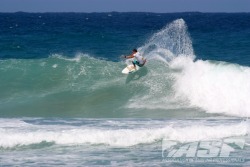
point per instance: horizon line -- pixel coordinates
(126, 12)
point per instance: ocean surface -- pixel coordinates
(64, 100)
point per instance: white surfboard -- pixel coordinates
(130, 69)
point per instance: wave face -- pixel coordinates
(174, 83)
(59, 86)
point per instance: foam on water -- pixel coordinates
(122, 137)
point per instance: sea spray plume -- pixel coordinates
(170, 42)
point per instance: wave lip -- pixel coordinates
(77, 58)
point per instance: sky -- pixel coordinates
(157, 6)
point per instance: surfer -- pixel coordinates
(139, 59)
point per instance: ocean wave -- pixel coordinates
(85, 86)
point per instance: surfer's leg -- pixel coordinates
(134, 62)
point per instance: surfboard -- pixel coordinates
(130, 69)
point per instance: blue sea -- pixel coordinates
(65, 102)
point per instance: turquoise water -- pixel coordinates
(64, 101)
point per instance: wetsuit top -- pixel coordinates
(139, 58)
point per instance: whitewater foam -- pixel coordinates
(216, 87)
(68, 135)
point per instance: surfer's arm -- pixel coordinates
(129, 57)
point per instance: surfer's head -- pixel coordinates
(135, 50)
